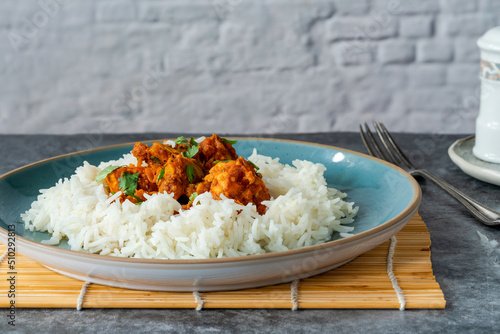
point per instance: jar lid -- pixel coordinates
(490, 41)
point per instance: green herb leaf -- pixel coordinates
(128, 183)
(192, 197)
(155, 159)
(190, 173)
(160, 176)
(139, 200)
(254, 165)
(191, 151)
(102, 175)
(181, 140)
(193, 142)
(217, 161)
(229, 141)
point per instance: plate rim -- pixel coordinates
(409, 210)
(481, 173)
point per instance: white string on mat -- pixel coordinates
(294, 287)
(81, 297)
(294, 293)
(199, 300)
(390, 272)
(4, 255)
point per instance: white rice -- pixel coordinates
(301, 212)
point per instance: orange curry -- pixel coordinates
(187, 170)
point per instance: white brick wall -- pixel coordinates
(261, 66)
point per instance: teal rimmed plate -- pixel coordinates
(386, 195)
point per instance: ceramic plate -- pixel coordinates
(387, 196)
(461, 154)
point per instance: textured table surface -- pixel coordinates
(466, 265)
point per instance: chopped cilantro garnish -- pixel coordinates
(217, 161)
(139, 200)
(190, 173)
(229, 141)
(254, 165)
(128, 183)
(160, 176)
(181, 140)
(192, 197)
(102, 175)
(191, 151)
(155, 159)
(193, 142)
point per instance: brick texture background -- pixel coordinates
(262, 66)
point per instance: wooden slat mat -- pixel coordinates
(362, 283)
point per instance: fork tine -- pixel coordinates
(375, 144)
(365, 141)
(396, 147)
(381, 136)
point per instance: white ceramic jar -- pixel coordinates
(487, 146)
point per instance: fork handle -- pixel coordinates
(481, 212)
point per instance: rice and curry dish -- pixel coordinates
(191, 199)
(187, 169)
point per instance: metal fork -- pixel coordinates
(396, 156)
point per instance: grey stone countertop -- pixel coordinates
(466, 266)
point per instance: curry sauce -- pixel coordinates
(187, 170)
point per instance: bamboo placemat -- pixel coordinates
(362, 283)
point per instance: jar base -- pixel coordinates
(485, 156)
